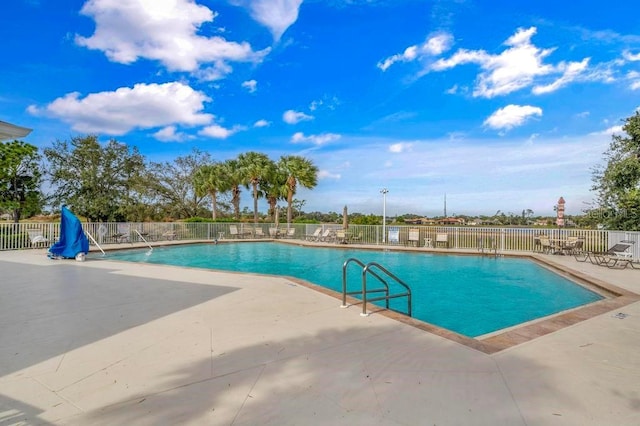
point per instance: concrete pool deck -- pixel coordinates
(119, 343)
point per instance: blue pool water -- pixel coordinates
(471, 295)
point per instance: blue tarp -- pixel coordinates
(72, 240)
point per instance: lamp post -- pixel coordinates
(384, 192)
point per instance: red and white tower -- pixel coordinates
(560, 212)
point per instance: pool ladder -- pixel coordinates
(376, 270)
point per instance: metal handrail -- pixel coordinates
(366, 270)
(344, 282)
(95, 242)
(140, 235)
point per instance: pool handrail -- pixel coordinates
(366, 270)
(143, 239)
(344, 282)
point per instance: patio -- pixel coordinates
(118, 343)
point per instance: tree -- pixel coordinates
(298, 171)
(255, 169)
(95, 181)
(233, 180)
(274, 189)
(209, 180)
(298, 205)
(618, 182)
(174, 184)
(20, 179)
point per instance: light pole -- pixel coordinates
(384, 192)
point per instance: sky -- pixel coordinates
(500, 105)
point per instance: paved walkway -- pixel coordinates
(108, 343)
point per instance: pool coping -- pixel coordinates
(491, 343)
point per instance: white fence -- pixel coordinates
(18, 236)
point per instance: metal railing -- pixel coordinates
(364, 291)
(16, 236)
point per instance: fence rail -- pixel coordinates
(19, 236)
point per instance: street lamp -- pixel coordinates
(384, 192)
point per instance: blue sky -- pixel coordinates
(502, 105)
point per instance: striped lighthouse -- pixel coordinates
(560, 213)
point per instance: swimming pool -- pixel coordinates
(471, 295)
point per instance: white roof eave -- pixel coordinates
(11, 131)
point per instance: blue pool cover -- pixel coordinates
(72, 240)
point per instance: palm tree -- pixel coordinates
(233, 179)
(299, 171)
(210, 180)
(274, 189)
(255, 169)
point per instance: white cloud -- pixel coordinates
(514, 68)
(250, 85)
(613, 130)
(169, 134)
(438, 44)
(400, 147)
(327, 102)
(261, 123)
(452, 90)
(164, 31)
(142, 106)
(293, 117)
(409, 54)
(216, 72)
(218, 132)
(571, 71)
(511, 116)
(634, 77)
(434, 46)
(277, 15)
(325, 174)
(630, 56)
(321, 139)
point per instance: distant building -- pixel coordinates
(451, 221)
(420, 221)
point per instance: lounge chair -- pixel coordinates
(616, 252)
(291, 232)
(259, 233)
(123, 234)
(355, 237)
(274, 232)
(36, 237)
(233, 231)
(621, 260)
(621, 257)
(341, 237)
(170, 235)
(327, 235)
(315, 236)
